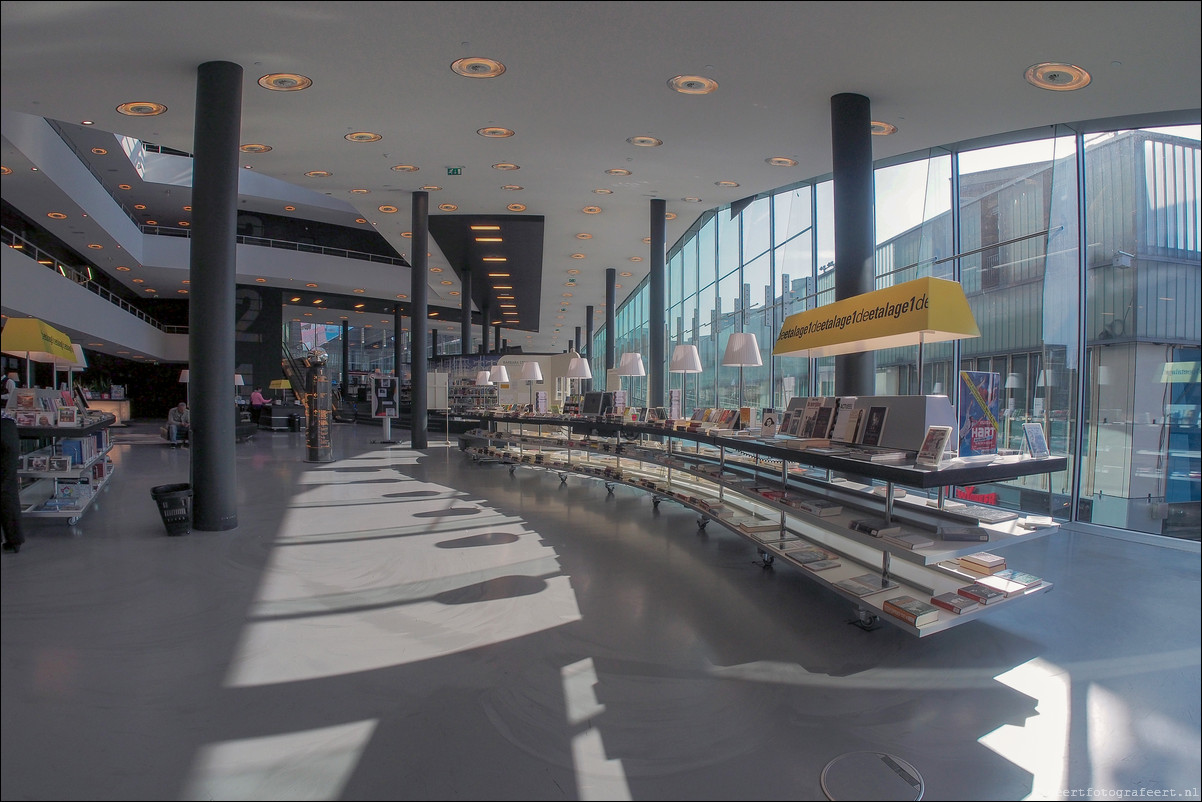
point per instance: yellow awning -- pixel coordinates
(36, 341)
(926, 310)
(280, 384)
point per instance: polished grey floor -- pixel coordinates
(402, 624)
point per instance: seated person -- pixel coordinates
(179, 421)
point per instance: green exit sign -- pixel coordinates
(454, 171)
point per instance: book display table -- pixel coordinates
(848, 524)
(62, 478)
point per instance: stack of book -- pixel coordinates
(981, 593)
(1011, 582)
(909, 540)
(865, 584)
(876, 527)
(983, 563)
(911, 610)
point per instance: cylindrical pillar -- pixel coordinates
(317, 435)
(851, 151)
(433, 342)
(346, 359)
(398, 344)
(611, 294)
(484, 328)
(657, 362)
(418, 416)
(497, 337)
(211, 303)
(587, 351)
(465, 310)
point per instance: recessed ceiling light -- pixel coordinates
(319, 174)
(183, 224)
(446, 282)
(636, 258)
(670, 215)
(290, 208)
(386, 209)
(477, 67)
(513, 188)
(261, 280)
(626, 274)
(879, 128)
(187, 208)
(141, 108)
(95, 246)
(603, 192)
(100, 151)
(436, 270)
(403, 296)
(363, 136)
(617, 171)
(139, 281)
(360, 220)
(254, 147)
(311, 285)
(317, 300)
(591, 210)
(448, 207)
(573, 272)
(405, 168)
(294, 300)
(182, 292)
(360, 191)
(56, 215)
(567, 295)
(577, 256)
(495, 259)
(645, 141)
(726, 184)
(86, 122)
(359, 290)
(152, 222)
(582, 235)
(407, 234)
(505, 166)
(123, 268)
(285, 82)
(617, 286)
(647, 240)
(516, 207)
(431, 188)
(1057, 77)
(691, 200)
(453, 292)
(495, 132)
(781, 161)
(692, 84)
(484, 228)
(489, 239)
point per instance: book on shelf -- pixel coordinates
(818, 506)
(934, 446)
(808, 414)
(881, 456)
(865, 584)
(821, 425)
(981, 593)
(832, 450)
(786, 421)
(26, 399)
(911, 610)
(1035, 441)
(26, 418)
(843, 423)
(1006, 586)
(955, 602)
(980, 394)
(1027, 580)
(803, 552)
(986, 561)
(822, 565)
(963, 533)
(875, 527)
(874, 426)
(801, 443)
(909, 540)
(1036, 522)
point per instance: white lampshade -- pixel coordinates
(631, 365)
(1103, 375)
(742, 351)
(499, 374)
(183, 375)
(685, 359)
(531, 372)
(78, 365)
(937, 389)
(1014, 381)
(1045, 379)
(578, 367)
(238, 381)
(483, 378)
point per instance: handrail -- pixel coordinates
(265, 242)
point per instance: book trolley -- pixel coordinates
(766, 493)
(62, 479)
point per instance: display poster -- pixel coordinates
(384, 397)
(980, 400)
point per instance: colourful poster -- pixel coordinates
(980, 395)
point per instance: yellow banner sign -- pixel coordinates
(926, 310)
(36, 341)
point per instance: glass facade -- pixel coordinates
(1079, 256)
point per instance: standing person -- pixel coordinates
(10, 486)
(10, 385)
(257, 402)
(179, 420)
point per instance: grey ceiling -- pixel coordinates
(581, 79)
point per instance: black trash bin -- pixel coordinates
(175, 507)
(294, 422)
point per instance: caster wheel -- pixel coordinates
(655, 503)
(73, 521)
(767, 558)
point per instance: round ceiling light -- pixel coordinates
(669, 215)
(626, 274)
(726, 184)
(516, 207)
(583, 235)
(505, 166)
(360, 191)
(285, 82)
(100, 151)
(603, 191)
(56, 215)
(636, 258)
(476, 67)
(879, 128)
(363, 136)
(692, 84)
(781, 161)
(431, 188)
(141, 108)
(645, 141)
(691, 200)
(577, 256)
(617, 171)
(448, 207)
(1057, 77)
(512, 188)
(591, 210)
(319, 174)
(254, 147)
(495, 132)
(405, 168)
(388, 209)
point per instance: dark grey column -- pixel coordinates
(398, 342)
(611, 294)
(577, 343)
(851, 139)
(497, 337)
(657, 362)
(420, 312)
(484, 329)
(434, 342)
(587, 351)
(345, 381)
(213, 270)
(465, 309)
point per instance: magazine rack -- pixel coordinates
(63, 478)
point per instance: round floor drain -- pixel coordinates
(870, 776)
